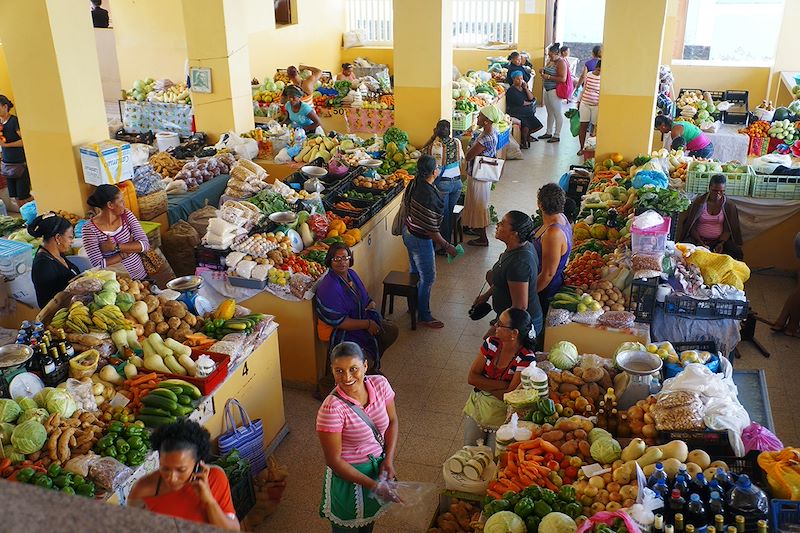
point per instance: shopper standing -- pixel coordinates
(475, 216)
(448, 153)
(552, 242)
(588, 104)
(421, 232)
(597, 54)
(554, 72)
(357, 428)
(13, 167)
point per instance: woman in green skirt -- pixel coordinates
(357, 427)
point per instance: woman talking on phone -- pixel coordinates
(184, 486)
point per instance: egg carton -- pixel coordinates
(254, 246)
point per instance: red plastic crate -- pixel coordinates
(208, 384)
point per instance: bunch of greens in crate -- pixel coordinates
(663, 201)
(234, 465)
(269, 202)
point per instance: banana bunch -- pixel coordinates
(110, 318)
(567, 298)
(78, 318)
(60, 318)
(320, 146)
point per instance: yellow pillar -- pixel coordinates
(670, 29)
(786, 59)
(630, 77)
(216, 38)
(531, 36)
(52, 60)
(5, 79)
(423, 65)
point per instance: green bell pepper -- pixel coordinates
(122, 446)
(85, 489)
(512, 498)
(78, 479)
(573, 510)
(547, 407)
(552, 419)
(25, 475)
(64, 480)
(105, 442)
(68, 490)
(136, 442)
(116, 427)
(538, 418)
(54, 470)
(495, 507)
(534, 492)
(542, 509)
(136, 459)
(132, 431)
(109, 452)
(532, 523)
(45, 482)
(567, 493)
(524, 507)
(548, 496)
(557, 506)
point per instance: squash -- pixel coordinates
(693, 469)
(700, 458)
(671, 466)
(676, 449)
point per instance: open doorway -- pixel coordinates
(577, 24)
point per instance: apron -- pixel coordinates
(347, 504)
(486, 410)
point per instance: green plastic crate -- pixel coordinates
(738, 183)
(778, 187)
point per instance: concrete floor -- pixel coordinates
(428, 368)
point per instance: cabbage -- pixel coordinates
(41, 397)
(606, 451)
(456, 94)
(506, 522)
(557, 523)
(597, 434)
(26, 403)
(629, 347)
(5, 432)
(62, 403)
(9, 410)
(104, 298)
(124, 301)
(563, 355)
(111, 285)
(38, 414)
(9, 452)
(29, 437)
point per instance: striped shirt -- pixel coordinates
(491, 352)
(591, 90)
(358, 440)
(129, 230)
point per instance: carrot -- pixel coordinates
(494, 494)
(550, 485)
(141, 379)
(521, 453)
(526, 480)
(5, 463)
(530, 444)
(515, 487)
(549, 447)
(533, 455)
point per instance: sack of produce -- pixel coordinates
(199, 219)
(178, 245)
(109, 473)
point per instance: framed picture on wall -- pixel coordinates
(201, 79)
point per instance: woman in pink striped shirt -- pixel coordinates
(588, 103)
(114, 236)
(357, 427)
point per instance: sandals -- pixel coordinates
(478, 242)
(545, 136)
(554, 140)
(433, 324)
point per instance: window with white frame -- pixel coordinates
(475, 22)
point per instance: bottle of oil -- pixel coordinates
(762, 526)
(613, 423)
(602, 417)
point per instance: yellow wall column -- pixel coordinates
(786, 59)
(630, 77)
(216, 38)
(670, 29)
(52, 61)
(423, 66)
(530, 37)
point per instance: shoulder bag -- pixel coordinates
(363, 416)
(248, 438)
(487, 168)
(400, 218)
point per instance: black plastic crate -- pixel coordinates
(643, 298)
(700, 346)
(705, 309)
(740, 114)
(243, 494)
(745, 465)
(210, 257)
(715, 443)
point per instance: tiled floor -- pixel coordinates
(428, 368)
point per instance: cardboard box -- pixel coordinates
(599, 340)
(106, 162)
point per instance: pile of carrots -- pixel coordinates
(139, 387)
(524, 464)
(388, 99)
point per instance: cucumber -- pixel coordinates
(165, 393)
(182, 410)
(174, 388)
(155, 421)
(184, 399)
(154, 411)
(188, 389)
(160, 402)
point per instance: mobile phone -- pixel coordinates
(197, 468)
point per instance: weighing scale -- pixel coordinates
(370, 165)
(13, 359)
(643, 370)
(188, 286)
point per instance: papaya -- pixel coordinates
(616, 157)
(599, 231)
(613, 234)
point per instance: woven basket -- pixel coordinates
(152, 205)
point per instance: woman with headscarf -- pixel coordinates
(516, 63)
(51, 271)
(475, 216)
(448, 153)
(521, 104)
(299, 113)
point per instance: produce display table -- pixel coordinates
(183, 205)
(729, 144)
(595, 339)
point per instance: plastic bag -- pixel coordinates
(757, 437)
(587, 317)
(648, 219)
(81, 392)
(679, 410)
(283, 157)
(558, 317)
(574, 121)
(407, 500)
(617, 319)
(81, 464)
(783, 472)
(246, 148)
(608, 518)
(109, 473)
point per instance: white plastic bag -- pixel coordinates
(283, 157)
(648, 219)
(246, 148)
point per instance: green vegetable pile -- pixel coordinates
(356, 195)
(269, 202)
(234, 465)
(395, 135)
(544, 412)
(9, 224)
(317, 256)
(535, 504)
(664, 201)
(128, 445)
(485, 88)
(342, 87)
(57, 479)
(466, 106)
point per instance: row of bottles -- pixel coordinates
(683, 524)
(50, 351)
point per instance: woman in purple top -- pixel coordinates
(553, 243)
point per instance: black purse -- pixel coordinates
(477, 312)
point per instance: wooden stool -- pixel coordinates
(401, 284)
(458, 229)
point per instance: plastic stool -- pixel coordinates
(401, 284)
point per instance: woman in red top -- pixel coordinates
(496, 371)
(184, 486)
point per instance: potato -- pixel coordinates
(580, 434)
(553, 436)
(152, 303)
(649, 431)
(162, 327)
(174, 322)
(592, 375)
(598, 507)
(157, 316)
(565, 388)
(591, 390)
(190, 319)
(149, 328)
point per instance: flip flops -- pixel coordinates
(433, 324)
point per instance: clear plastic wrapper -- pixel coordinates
(647, 262)
(81, 392)
(85, 285)
(109, 473)
(299, 284)
(558, 317)
(679, 411)
(587, 317)
(407, 500)
(617, 319)
(81, 464)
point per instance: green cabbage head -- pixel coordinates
(557, 523)
(606, 451)
(41, 397)
(111, 285)
(12, 454)
(505, 522)
(104, 298)
(5, 432)
(59, 401)
(29, 437)
(9, 410)
(124, 301)
(26, 403)
(599, 433)
(38, 414)
(564, 355)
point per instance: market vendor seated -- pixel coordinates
(184, 486)
(52, 271)
(713, 221)
(304, 79)
(686, 136)
(347, 73)
(301, 114)
(345, 310)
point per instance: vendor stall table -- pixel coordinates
(183, 205)
(754, 396)
(595, 339)
(729, 144)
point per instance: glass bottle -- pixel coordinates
(602, 417)
(669, 528)
(719, 521)
(762, 526)
(711, 529)
(658, 523)
(678, 516)
(690, 528)
(48, 364)
(54, 355)
(740, 523)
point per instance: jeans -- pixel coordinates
(451, 189)
(473, 432)
(362, 529)
(555, 118)
(422, 261)
(704, 152)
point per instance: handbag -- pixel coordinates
(248, 438)
(477, 312)
(565, 89)
(400, 218)
(363, 416)
(487, 168)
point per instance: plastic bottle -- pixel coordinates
(658, 474)
(683, 472)
(681, 484)
(724, 481)
(695, 512)
(748, 501)
(676, 505)
(699, 486)
(662, 490)
(715, 508)
(713, 486)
